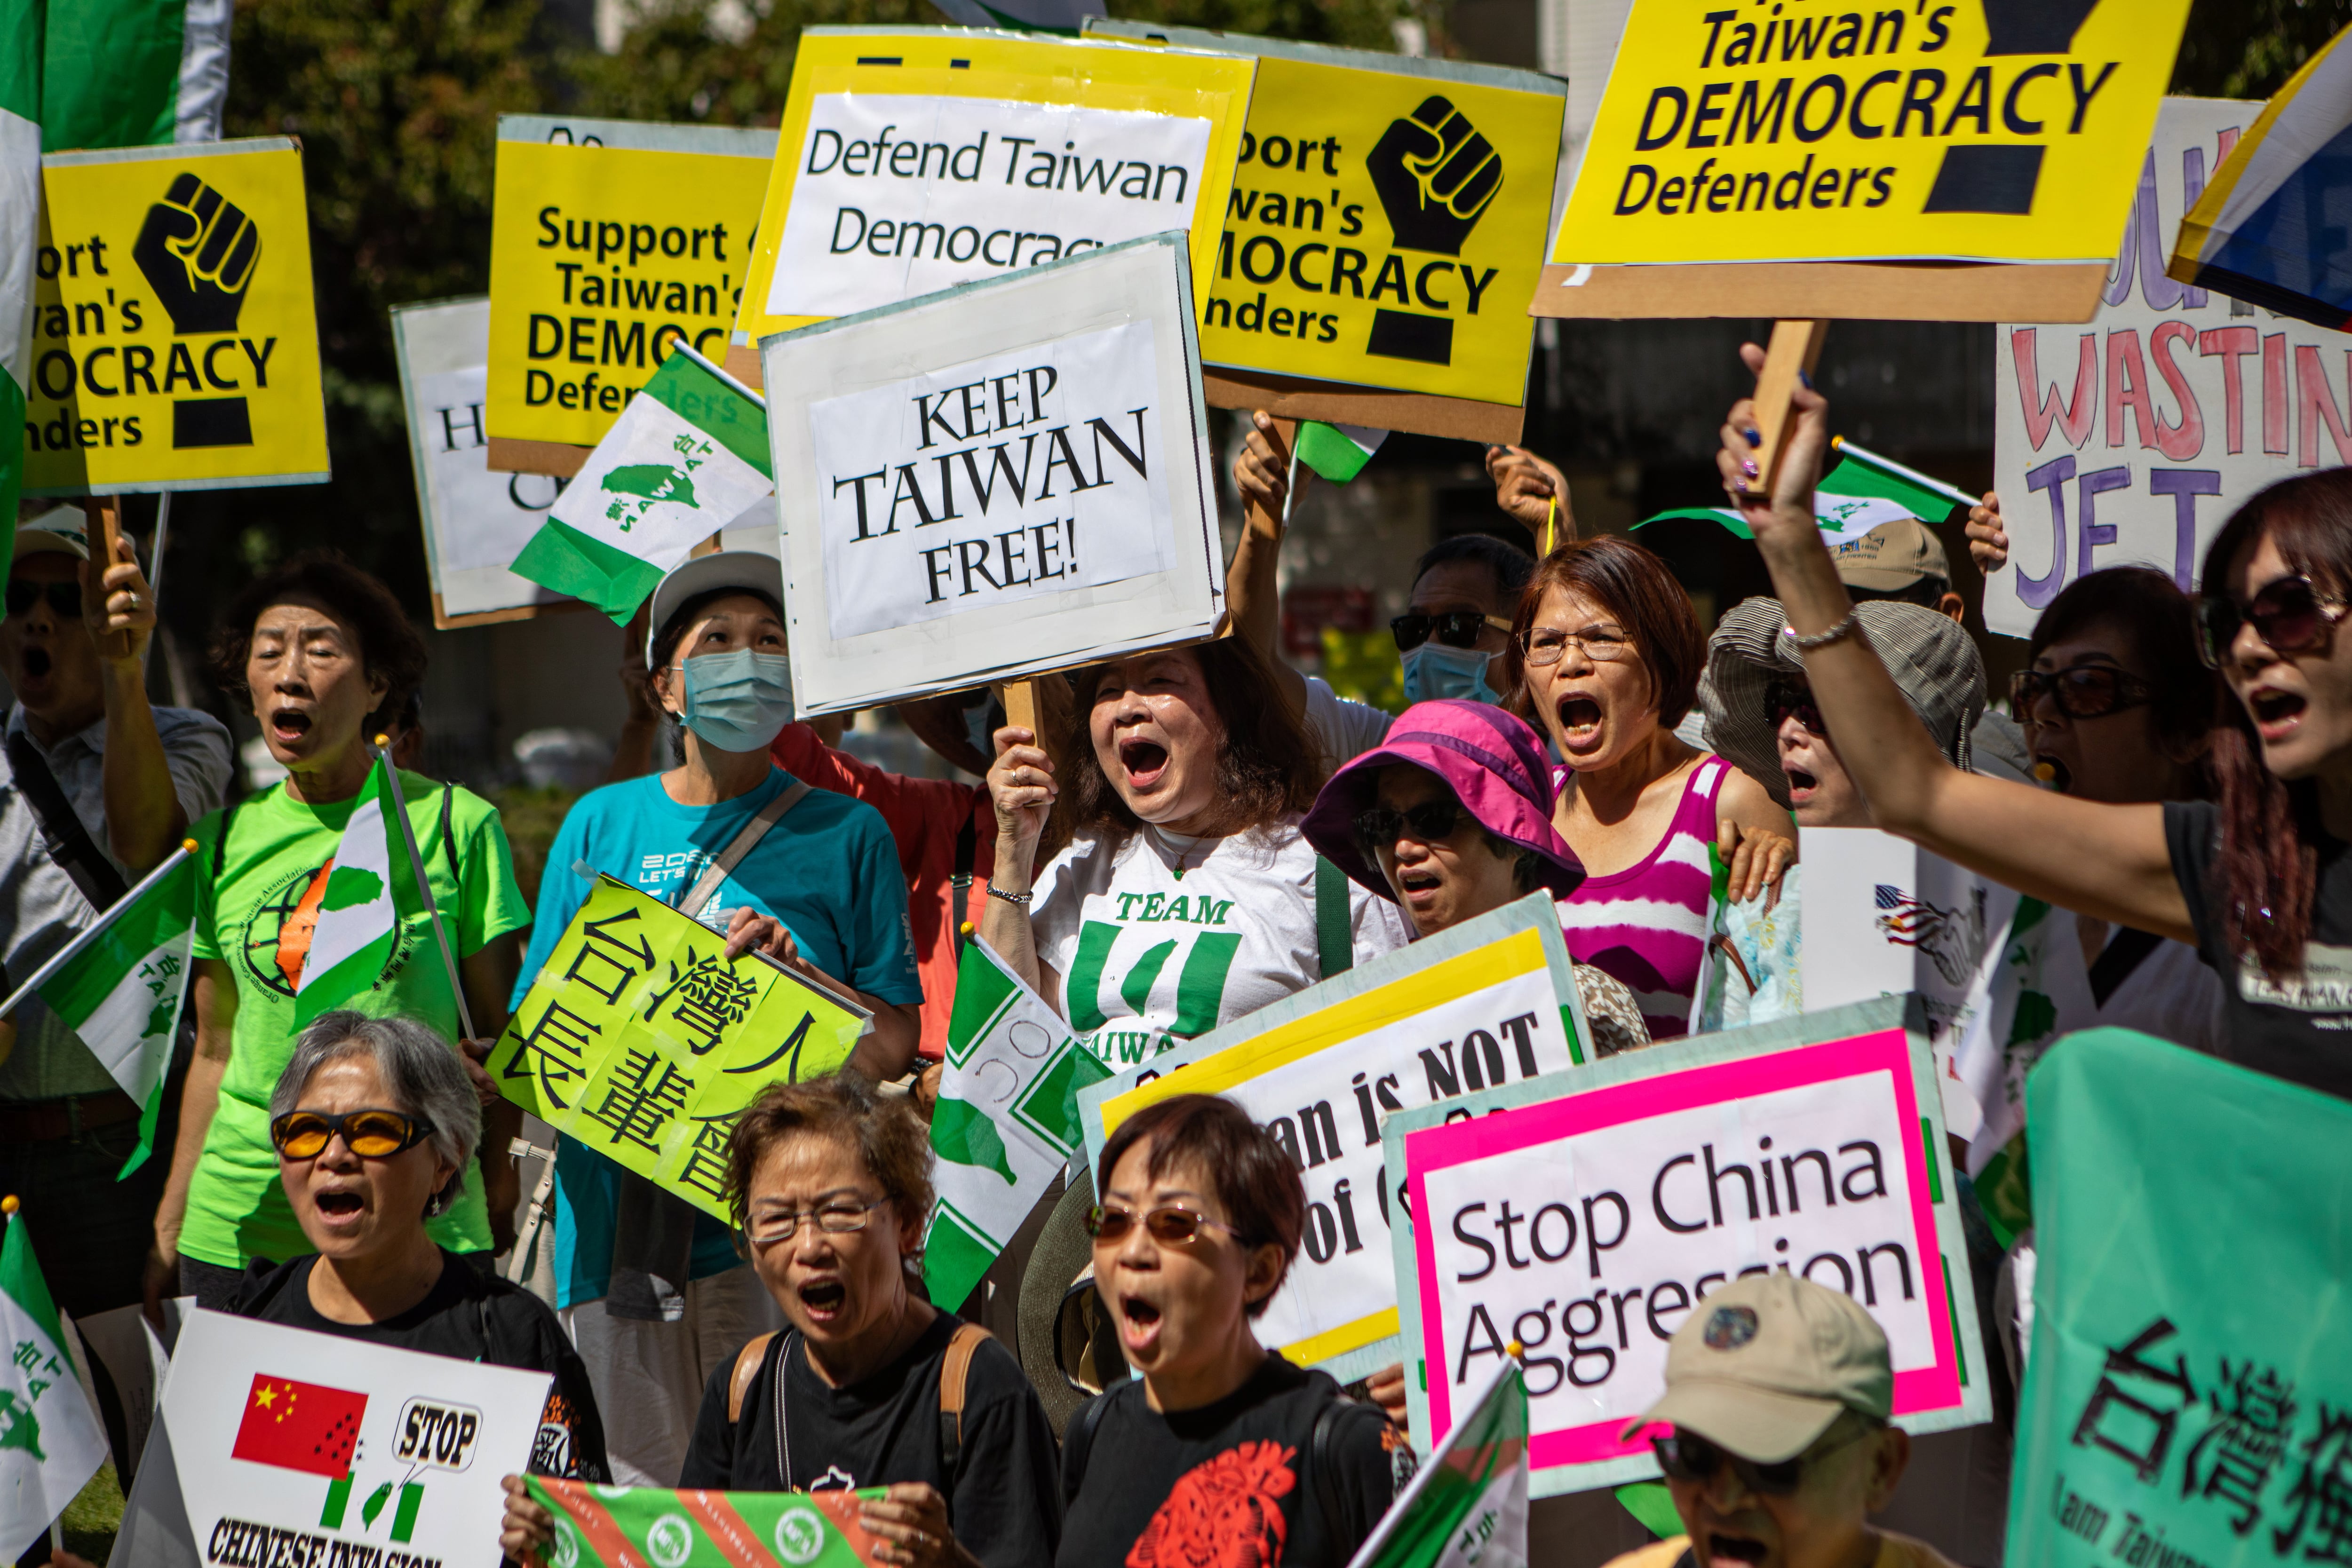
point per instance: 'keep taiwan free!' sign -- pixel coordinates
(174, 345)
(993, 481)
(2130, 440)
(913, 160)
(293, 1447)
(2188, 1396)
(640, 1040)
(1968, 130)
(1589, 1222)
(1491, 1001)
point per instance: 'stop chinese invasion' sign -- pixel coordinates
(642, 1040)
(174, 345)
(1987, 129)
(1386, 223)
(609, 241)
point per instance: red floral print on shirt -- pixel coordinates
(1223, 1513)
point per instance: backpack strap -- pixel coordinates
(448, 839)
(220, 841)
(955, 1368)
(747, 1367)
(68, 842)
(1078, 1437)
(705, 887)
(967, 849)
(1333, 943)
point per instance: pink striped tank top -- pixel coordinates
(1647, 925)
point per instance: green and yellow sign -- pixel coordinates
(643, 1041)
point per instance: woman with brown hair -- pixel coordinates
(1605, 657)
(2256, 878)
(1185, 896)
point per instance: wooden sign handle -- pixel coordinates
(1794, 350)
(105, 515)
(1020, 708)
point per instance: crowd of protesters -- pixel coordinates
(1572, 730)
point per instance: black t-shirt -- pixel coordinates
(472, 1315)
(1230, 1482)
(1004, 1501)
(2299, 1028)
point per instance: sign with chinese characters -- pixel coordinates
(641, 1040)
(476, 520)
(915, 159)
(2190, 1396)
(2129, 441)
(174, 341)
(1493, 1000)
(295, 1446)
(994, 481)
(610, 240)
(2008, 131)
(1588, 1222)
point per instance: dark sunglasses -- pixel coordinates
(370, 1135)
(2291, 616)
(1782, 699)
(1379, 827)
(1169, 1225)
(1687, 1456)
(1455, 629)
(65, 598)
(2086, 691)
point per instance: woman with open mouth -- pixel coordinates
(1605, 655)
(868, 1385)
(1218, 1450)
(325, 655)
(2258, 878)
(1184, 895)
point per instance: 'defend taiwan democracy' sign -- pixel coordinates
(1973, 129)
(1589, 1220)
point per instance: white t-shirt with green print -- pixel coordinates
(1147, 950)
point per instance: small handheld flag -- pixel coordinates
(1858, 493)
(1337, 451)
(50, 1442)
(1467, 1507)
(629, 1527)
(372, 888)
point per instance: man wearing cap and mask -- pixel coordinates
(1778, 1391)
(96, 787)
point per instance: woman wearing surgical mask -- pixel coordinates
(654, 1298)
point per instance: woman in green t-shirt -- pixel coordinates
(325, 655)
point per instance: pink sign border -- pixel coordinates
(1453, 1144)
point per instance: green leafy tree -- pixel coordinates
(2248, 48)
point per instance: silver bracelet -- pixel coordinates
(1821, 639)
(1020, 898)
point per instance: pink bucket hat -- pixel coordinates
(1490, 759)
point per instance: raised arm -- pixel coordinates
(1526, 490)
(1021, 787)
(145, 819)
(1253, 589)
(2109, 862)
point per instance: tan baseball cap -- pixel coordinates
(1892, 556)
(1763, 1366)
(64, 530)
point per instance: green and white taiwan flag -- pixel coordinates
(1337, 451)
(371, 889)
(686, 458)
(1859, 491)
(50, 1442)
(21, 29)
(2038, 990)
(1007, 1122)
(133, 73)
(119, 986)
(1467, 1507)
(631, 1527)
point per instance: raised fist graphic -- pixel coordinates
(198, 251)
(1435, 174)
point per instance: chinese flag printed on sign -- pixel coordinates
(300, 1426)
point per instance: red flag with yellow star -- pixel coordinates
(300, 1426)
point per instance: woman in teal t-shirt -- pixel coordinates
(654, 1294)
(325, 655)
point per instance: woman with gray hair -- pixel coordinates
(375, 1124)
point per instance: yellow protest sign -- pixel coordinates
(174, 343)
(611, 240)
(1984, 130)
(640, 1040)
(915, 159)
(1386, 224)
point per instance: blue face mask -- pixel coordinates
(737, 701)
(1433, 671)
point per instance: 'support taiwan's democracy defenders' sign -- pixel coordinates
(175, 344)
(913, 160)
(1972, 130)
(609, 241)
(1588, 1221)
